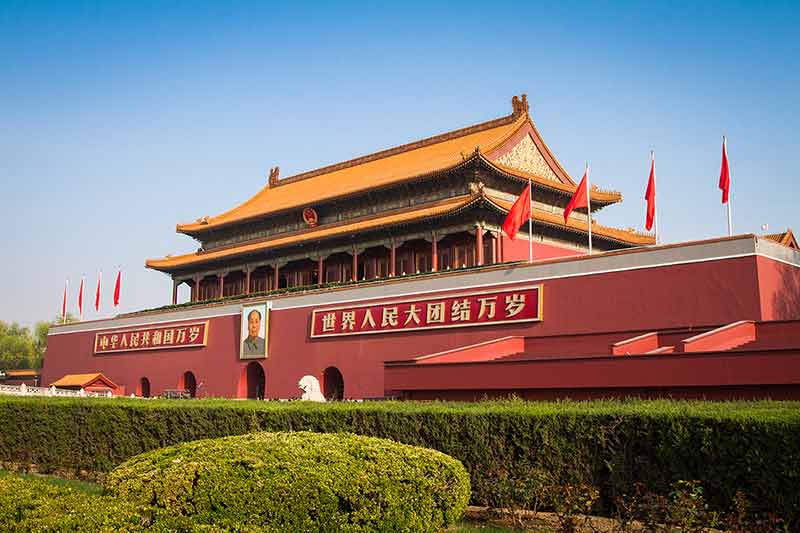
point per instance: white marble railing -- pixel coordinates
(25, 390)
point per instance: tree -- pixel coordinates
(16, 347)
(20, 348)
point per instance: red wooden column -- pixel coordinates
(392, 258)
(500, 250)
(320, 270)
(434, 254)
(479, 245)
(355, 264)
(247, 280)
(175, 291)
(198, 280)
(221, 284)
(275, 272)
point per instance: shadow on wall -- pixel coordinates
(786, 300)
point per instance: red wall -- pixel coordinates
(759, 373)
(779, 289)
(517, 250)
(216, 366)
(689, 295)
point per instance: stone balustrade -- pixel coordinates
(25, 390)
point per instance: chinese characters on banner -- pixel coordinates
(174, 336)
(477, 308)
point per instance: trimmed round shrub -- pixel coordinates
(299, 482)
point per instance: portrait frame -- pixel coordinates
(257, 347)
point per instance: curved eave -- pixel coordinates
(398, 218)
(787, 238)
(631, 238)
(600, 198)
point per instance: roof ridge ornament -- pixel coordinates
(519, 104)
(274, 172)
(476, 188)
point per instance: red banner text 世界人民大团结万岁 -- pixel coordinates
(475, 308)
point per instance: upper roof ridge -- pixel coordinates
(382, 168)
(519, 107)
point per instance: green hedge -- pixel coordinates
(299, 481)
(748, 446)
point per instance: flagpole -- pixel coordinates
(730, 196)
(588, 207)
(655, 209)
(64, 302)
(730, 224)
(530, 223)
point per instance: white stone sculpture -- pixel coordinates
(311, 390)
(52, 390)
(23, 389)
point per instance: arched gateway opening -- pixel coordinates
(333, 384)
(189, 384)
(144, 388)
(256, 381)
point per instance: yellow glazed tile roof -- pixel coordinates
(81, 380)
(786, 238)
(22, 373)
(320, 232)
(382, 168)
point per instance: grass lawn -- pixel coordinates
(84, 486)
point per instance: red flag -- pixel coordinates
(725, 174)
(116, 288)
(650, 196)
(64, 303)
(579, 199)
(97, 292)
(80, 300)
(519, 213)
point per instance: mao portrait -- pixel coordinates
(255, 331)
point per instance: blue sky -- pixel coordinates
(118, 120)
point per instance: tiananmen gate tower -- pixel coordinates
(388, 276)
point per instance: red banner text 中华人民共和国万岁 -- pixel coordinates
(152, 338)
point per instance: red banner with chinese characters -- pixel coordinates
(155, 338)
(475, 308)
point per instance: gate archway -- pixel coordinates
(189, 383)
(256, 381)
(333, 384)
(144, 388)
